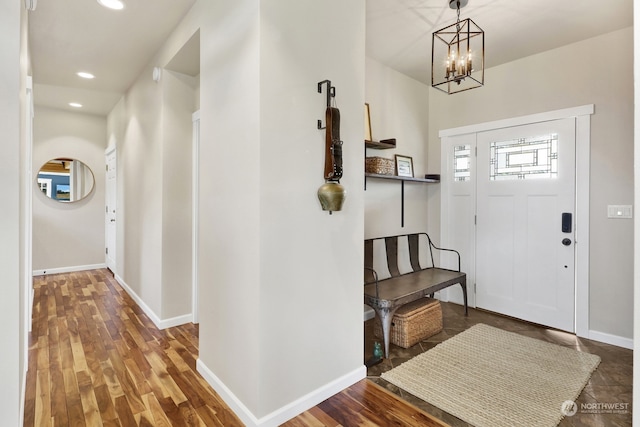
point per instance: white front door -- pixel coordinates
(110, 211)
(526, 222)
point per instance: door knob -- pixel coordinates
(566, 241)
(113, 220)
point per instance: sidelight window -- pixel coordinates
(462, 163)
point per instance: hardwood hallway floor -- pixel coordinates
(95, 359)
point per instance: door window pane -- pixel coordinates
(524, 158)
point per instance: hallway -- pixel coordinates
(95, 359)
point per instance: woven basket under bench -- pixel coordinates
(413, 322)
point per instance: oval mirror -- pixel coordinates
(65, 180)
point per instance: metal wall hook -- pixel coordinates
(331, 93)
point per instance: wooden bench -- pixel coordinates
(386, 295)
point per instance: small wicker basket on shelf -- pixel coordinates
(379, 165)
(413, 322)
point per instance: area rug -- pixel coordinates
(492, 378)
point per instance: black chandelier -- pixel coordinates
(457, 54)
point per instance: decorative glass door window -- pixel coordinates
(524, 158)
(462, 163)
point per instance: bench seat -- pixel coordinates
(387, 295)
(398, 291)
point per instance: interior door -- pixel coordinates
(525, 215)
(110, 211)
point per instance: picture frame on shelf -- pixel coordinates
(404, 166)
(367, 123)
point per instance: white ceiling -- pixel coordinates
(67, 36)
(399, 31)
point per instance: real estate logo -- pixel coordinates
(569, 408)
(605, 408)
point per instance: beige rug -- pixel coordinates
(490, 377)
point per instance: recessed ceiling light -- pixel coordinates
(112, 4)
(86, 75)
(75, 105)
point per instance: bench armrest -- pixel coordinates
(375, 278)
(432, 246)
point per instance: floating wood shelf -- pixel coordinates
(378, 145)
(402, 179)
(399, 178)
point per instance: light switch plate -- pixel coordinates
(619, 211)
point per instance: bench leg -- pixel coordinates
(386, 315)
(464, 295)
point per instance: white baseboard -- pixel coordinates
(23, 394)
(59, 270)
(175, 321)
(611, 339)
(288, 411)
(160, 323)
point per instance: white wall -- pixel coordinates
(636, 221)
(151, 129)
(68, 235)
(399, 108)
(595, 71)
(12, 93)
(26, 277)
(310, 262)
(135, 126)
(179, 93)
(281, 279)
(229, 244)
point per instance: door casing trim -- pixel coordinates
(107, 153)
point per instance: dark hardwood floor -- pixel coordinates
(95, 359)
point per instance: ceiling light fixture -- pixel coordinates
(457, 54)
(112, 4)
(75, 105)
(85, 75)
(157, 73)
